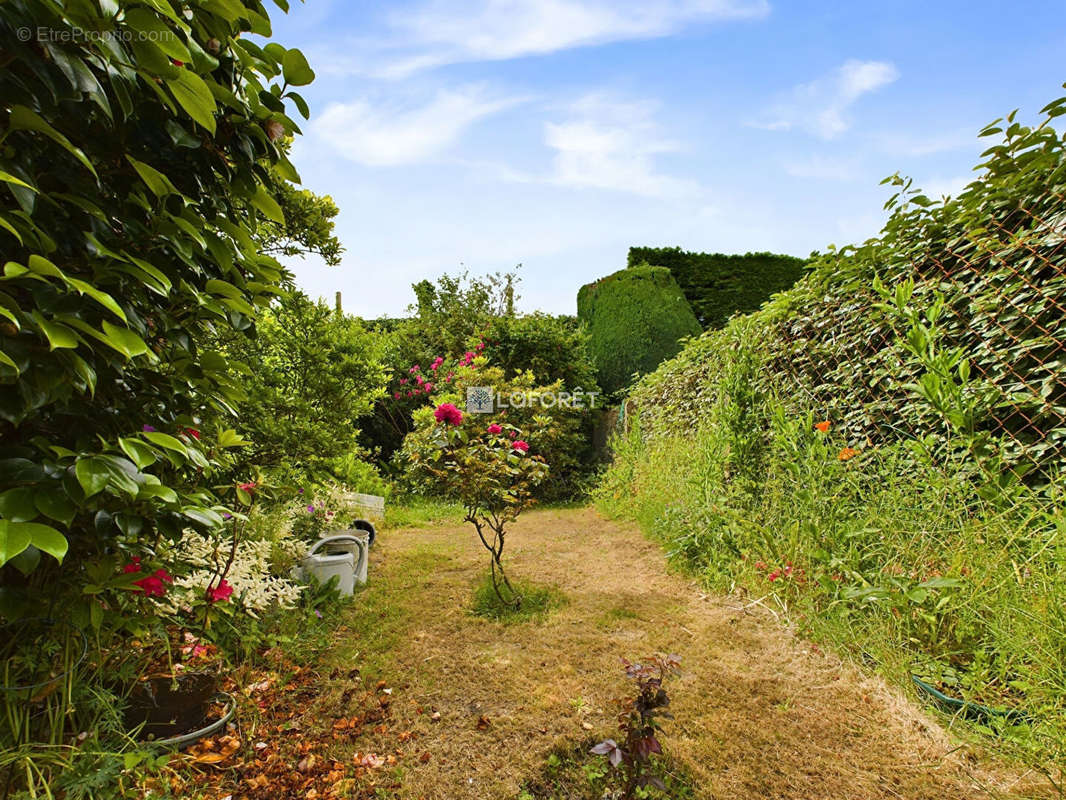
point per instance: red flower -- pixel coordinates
(773, 576)
(521, 446)
(414, 369)
(247, 487)
(133, 566)
(760, 565)
(448, 413)
(195, 434)
(823, 426)
(494, 428)
(396, 396)
(428, 387)
(153, 585)
(220, 593)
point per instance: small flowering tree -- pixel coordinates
(488, 468)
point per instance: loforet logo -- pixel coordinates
(479, 400)
(486, 400)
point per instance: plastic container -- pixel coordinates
(343, 556)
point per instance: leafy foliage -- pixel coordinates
(717, 285)
(140, 159)
(636, 318)
(488, 468)
(881, 447)
(311, 374)
(639, 724)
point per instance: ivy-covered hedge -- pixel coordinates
(719, 285)
(636, 318)
(832, 346)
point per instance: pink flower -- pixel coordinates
(410, 394)
(448, 413)
(220, 593)
(428, 387)
(403, 381)
(247, 487)
(414, 369)
(521, 445)
(148, 429)
(494, 428)
(420, 380)
(436, 363)
(396, 396)
(480, 346)
(449, 376)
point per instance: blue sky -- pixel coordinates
(481, 134)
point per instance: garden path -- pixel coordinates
(759, 712)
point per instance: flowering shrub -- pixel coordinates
(486, 468)
(557, 433)
(249, 582)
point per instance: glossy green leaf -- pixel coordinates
(16, 505)
(93, 474)
(167, 441)
(14, 538)
(268, 205)
(59, 336)
(56, 504)
(195, 97)
(22, 118)
(139, 453)
(157, 182)
(295, 69)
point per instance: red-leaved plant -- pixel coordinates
(638, 722)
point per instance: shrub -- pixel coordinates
(312, 373)
(488, 468)
(717, 285)
(558, 432)
(636, 318)
(136, 173)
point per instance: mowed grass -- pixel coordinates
(479, 705)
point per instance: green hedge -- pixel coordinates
(719, 285)
(636, 319)
(830, 346)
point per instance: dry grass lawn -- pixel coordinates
(759, 713)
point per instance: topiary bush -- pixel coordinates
(718, 285)
(636, 318)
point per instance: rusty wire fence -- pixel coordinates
(1004, 308)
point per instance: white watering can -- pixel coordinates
(343, 555)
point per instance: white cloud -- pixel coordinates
(438, 32)
(612, 145)
(399, 133)
(820, 107)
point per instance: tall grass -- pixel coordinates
(889, 556)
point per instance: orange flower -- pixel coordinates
(823, 426)
(847, 454)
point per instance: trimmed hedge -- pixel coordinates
(719, 285)
(636, 318)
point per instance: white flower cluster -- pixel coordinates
(254, 587)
